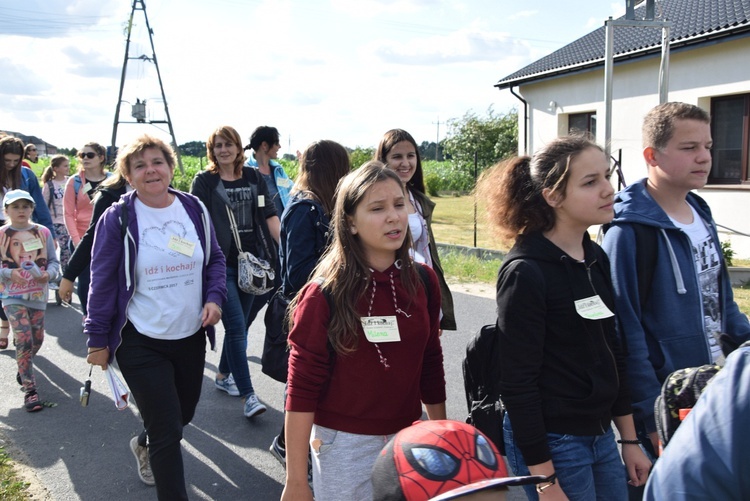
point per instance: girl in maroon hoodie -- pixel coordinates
(365, 352)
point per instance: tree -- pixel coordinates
(359, 156)
(427, 150)
(493, 137)
(193, 149)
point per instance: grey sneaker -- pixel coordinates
(278, 451)
(253, 407)
(144, 465)
(227, 385)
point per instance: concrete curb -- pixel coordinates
(471, 251)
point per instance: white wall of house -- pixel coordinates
(696, 75)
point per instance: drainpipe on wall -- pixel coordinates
(525, 121)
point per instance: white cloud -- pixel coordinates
(523, 14)
(460, 47)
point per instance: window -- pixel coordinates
(730, 131)
(582, 122)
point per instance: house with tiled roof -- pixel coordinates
(43, 147)
(709, 66)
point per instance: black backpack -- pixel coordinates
(481, 369)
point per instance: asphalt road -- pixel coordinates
(77, 453)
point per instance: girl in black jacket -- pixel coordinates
(562, 370)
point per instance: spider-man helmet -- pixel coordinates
(432, 458)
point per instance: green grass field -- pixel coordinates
(453, 223)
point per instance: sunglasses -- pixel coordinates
(88, 154)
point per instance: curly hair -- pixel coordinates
(512, 189)
(137, 147)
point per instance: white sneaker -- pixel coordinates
(253, 407)
(144, 464)
(227, 385)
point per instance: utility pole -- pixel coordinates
(139, 109)
(437, 138)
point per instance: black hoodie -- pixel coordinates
(559, 372)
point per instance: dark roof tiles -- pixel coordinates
(692, 20)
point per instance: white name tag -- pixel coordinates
(593, 308)
(32, 245)
(261, 201)
(181, 245)
(87, 187)
(381, 329)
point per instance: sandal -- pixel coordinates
(4, 332)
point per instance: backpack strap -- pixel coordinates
(51, 197)
(123, 220)
(77, 182)
(424, 276)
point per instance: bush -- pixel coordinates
(432, 184)
(448, 177)
(192, 166)
(726, 249)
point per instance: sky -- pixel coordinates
(346, 70)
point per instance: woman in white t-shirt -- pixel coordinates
(157, 287)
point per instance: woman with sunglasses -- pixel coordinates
(30, 156)
(77, 207)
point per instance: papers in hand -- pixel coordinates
(118, 388)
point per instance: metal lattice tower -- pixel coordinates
(139, 108)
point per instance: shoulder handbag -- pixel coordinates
(254, 275)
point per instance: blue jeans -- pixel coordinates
(165, 378)
(588, 467)
(236, 320)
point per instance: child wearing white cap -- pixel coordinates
(29, 262)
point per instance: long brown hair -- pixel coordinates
(322, 165)
(512, 189)
(228, 134)
(344, 268)
(391, 139)
(11, 178)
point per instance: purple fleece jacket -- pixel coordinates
(113, 270)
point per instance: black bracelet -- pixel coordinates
(629, 442)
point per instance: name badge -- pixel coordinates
(32, 245)
(381, 329)
(261, 201)
(87, 187)
(178, 244)
(593, 308)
